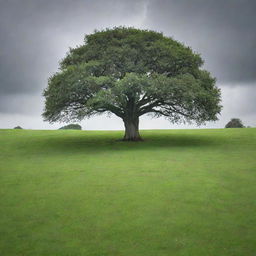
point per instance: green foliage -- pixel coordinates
(71, 127)
(179, 193)
(17, 127)
(132, 72)
(234, 123)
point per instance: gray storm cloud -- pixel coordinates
(36, 34)
(222, 31)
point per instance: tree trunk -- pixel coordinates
(132, 130)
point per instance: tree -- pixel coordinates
(234, 123)
(130, 73)
(17, 127)
(71, 127)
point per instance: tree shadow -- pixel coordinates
(96, 143)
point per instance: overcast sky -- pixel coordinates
(36, 34)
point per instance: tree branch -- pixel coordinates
(116, 110)
(149, 107)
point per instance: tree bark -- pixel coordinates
(132, 130)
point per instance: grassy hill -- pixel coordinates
(180, 192)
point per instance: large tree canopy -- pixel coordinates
(131, 72)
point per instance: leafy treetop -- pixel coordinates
(131, 72)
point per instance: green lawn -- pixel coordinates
(180, 192)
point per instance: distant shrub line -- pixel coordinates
(71, 127)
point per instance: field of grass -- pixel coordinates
(178, 193)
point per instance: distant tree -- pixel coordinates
(17, 127)
(130, 73)
(71, 127)
(234, 123)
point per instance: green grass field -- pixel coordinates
(180, 192)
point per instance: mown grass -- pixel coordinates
(180, 192)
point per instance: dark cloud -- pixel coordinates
(223, 31)
(22, 103)
(35, 34)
